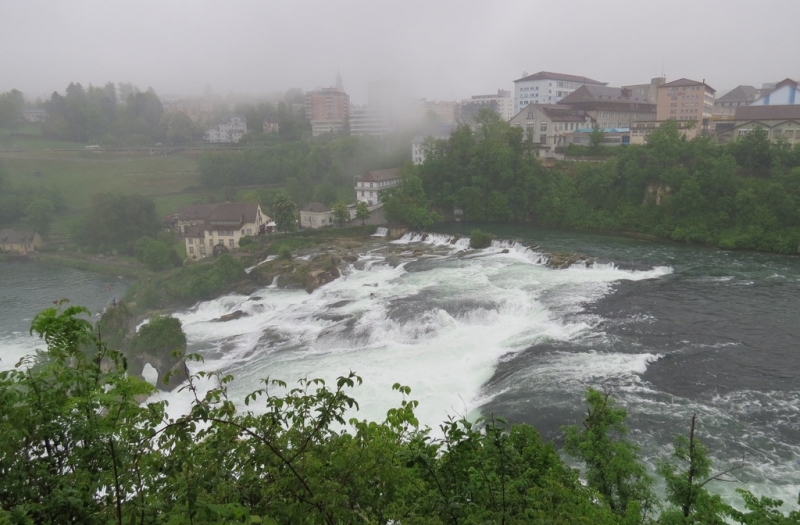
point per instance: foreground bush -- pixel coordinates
(76, 446)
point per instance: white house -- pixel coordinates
(368, 186)
(418, 147)
(230, 130)
(546, 87)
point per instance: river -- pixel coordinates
(671, 330)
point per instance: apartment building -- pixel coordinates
(328, 110)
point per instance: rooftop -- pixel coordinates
(381, 175)
(739, 93)
(686, 82)
(315, 207)
(585, 94)
(549, 75)
(15, 236)
(783, 112)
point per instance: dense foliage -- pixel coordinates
(117, 222)
(76, 446)
(742, 195)
(34, 207)
(187, 284)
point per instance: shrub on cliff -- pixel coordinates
(479, 239)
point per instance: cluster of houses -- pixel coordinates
(557, 109)
(211, 229)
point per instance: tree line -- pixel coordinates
(77, 445)
(321, 169)
(743, 195)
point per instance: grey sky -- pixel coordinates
(438, 49)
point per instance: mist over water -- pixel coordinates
(671, 330)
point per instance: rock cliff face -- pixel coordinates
(160, 344)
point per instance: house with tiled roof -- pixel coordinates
(546, 87)
(370, 185)
(19, 241)
(223, 227)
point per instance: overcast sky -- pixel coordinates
(437, 49)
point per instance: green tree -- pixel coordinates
(612, 467)
(686, 475)
(118, 221)
(408, 204)
(39, 215)
(12, 103)
(362, 212)
(596, 139)
(284, 212)
(340, 213)
(156, 255)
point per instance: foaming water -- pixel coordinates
(440, 325)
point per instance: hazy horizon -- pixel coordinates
(446, 50)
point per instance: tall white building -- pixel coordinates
(546, 87)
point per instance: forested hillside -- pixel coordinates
(744, 195)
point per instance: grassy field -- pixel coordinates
(169, 179)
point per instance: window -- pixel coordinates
(191, 249)
(249, 231)
(530, 115)
(542, 139)
(191, 240)
(230, 243)
(543, 126)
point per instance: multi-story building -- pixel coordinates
(223, 227)
(612, 107)
(229, 130)
(271, 125)
(445, 111)
(328, 110)
(546, 87)
(368, 186)
(501, 103)
(547, 124)
(366, 122)
(688, 102)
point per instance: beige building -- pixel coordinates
(689, 102)
(315, 215)
(223, 227)
(20, 241)
(328, 110)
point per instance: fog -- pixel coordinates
(442, 49)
